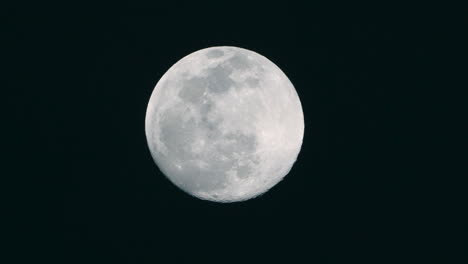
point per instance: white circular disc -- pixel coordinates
(224, 124)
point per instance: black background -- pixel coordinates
(364, 189)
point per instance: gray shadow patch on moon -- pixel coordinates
(252, 82)
(173, 129)
(239, 62)
(214, 53)
(219, 80)
(247, 71)
(237, 143)
(193, 90)
(244, 171)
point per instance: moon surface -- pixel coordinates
(224, 124)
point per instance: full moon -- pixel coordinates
(224, 124)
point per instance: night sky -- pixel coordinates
(364, 189)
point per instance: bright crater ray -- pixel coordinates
(224, 124)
